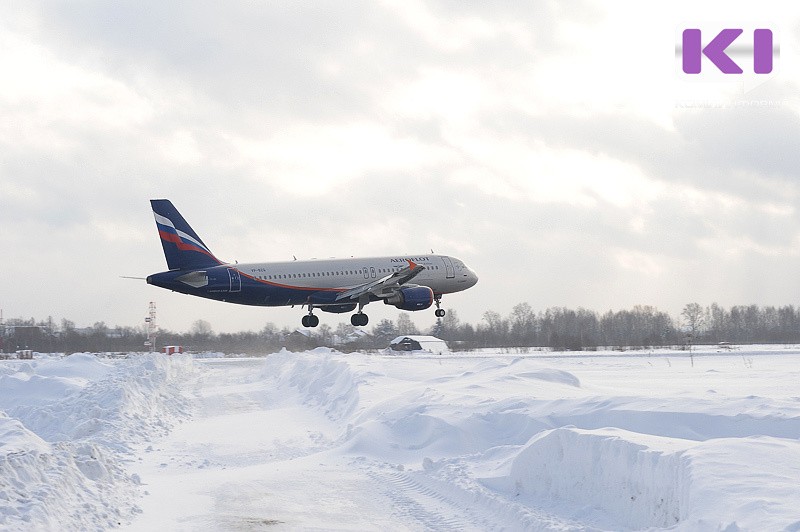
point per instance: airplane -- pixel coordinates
(332, 285)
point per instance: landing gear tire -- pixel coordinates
(439, 311)
(359, 320)
(310, 320)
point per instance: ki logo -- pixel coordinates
(720, 49)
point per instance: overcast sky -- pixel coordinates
(555, 147)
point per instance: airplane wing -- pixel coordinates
(384, 287)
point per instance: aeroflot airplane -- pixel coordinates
(335, 285)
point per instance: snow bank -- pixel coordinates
(15, 438)
(665, 462)
(69, 487)
(113, 403)
(617, 478)
(320, 380)
(406, 435)
(744, 484)
(66, 428)
(629, 479)
(44, 381)
(551, 375)
(83, 366)
(454, 414)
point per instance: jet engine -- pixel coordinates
(411, 298)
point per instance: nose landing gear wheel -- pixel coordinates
(439, 311)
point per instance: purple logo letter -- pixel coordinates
(693, 51)
(715, 51)
(762, 51)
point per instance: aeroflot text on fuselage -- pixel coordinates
(334, 285)
(412, 259)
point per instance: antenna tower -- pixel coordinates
(150, 320)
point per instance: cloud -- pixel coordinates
(552, 148)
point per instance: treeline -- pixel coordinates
(565, 329)
(642, 326)
(47, 336)
(557, 328)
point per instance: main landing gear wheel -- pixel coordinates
(310, 320)
(359, 319)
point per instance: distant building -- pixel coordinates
(357, 335)
(419, 343)
(172, 349)
(299, 340)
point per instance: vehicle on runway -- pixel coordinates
(333, 285)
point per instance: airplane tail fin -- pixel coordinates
(183, 249)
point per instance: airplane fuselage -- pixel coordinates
(317, 282)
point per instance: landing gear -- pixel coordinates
(439, 311)
(359, 319)
(309, 320)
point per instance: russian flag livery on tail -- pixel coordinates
(334, 285)
(182, 247)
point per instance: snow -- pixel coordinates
(467, 441)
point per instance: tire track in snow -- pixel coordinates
(447, 505)
(415, 502)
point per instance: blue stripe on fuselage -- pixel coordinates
(251, 291)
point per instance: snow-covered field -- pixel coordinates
(323, 440)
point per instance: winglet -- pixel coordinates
(411, 264)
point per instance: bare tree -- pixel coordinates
(694, 319)
(523, 324)
(450, 326)
(201, 330)
(405, 326)
(384, 332)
